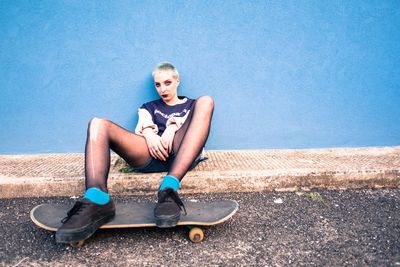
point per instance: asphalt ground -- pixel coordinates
(319, 228)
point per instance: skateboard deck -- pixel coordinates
(133, 215)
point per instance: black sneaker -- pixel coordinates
(83, 220)
(168, 209)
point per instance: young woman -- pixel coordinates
(170, 135)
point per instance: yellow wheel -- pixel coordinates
(196, 235)
(78, 244)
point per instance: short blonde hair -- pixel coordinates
(166, 66)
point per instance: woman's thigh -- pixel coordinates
(130, 146)
(181, 132)
(201, 103)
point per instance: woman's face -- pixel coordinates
(166, 86)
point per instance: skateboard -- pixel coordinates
(134, 215)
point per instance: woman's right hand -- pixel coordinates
(156, 149)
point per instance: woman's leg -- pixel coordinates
(103, 135)
(192, 136)
(96, 207)
(188, 142)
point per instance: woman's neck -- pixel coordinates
(175, 101)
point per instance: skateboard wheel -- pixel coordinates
(78, 244)
(196, 235)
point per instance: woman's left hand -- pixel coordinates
(167, 138)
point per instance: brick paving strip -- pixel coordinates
(224, 171)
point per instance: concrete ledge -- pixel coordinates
(225, 171)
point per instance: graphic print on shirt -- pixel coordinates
(167, 116)
(161, 112)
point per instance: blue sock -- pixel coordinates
(97, 196)
(170, 181)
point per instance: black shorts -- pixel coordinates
(157, 165)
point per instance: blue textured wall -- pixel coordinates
(284, 74)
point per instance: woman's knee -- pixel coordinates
(96, 125)
(205, 102)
